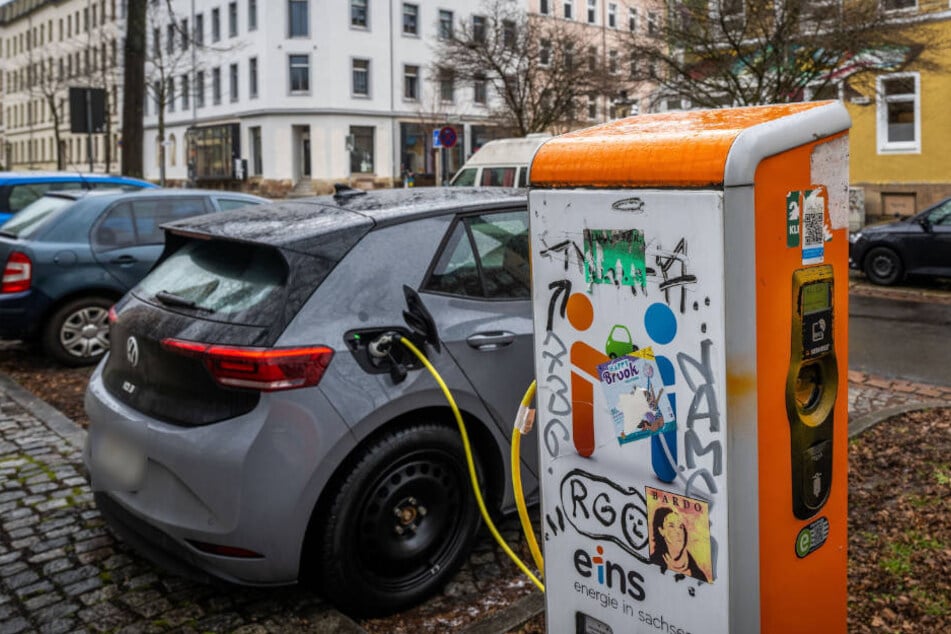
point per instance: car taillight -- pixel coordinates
(265, 369)
(113, 315)
(17, 274)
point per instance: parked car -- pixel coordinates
(70, 255)
(917, 245)
(240, 425)
(19, 189)
(500, 163)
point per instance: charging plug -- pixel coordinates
(382, 346)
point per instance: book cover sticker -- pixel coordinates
(635, 394)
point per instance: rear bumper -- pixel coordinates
(21, 314)
(250, 482)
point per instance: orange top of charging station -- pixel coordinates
(672, 149)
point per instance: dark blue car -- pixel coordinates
(70, 255)
(19, 189)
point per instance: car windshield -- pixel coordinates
(465, 178)
(25, 222)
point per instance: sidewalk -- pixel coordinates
(61, 570)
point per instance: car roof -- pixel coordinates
(294, 224)
(40, 175)
(168, 193)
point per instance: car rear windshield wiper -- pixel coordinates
(171, 299)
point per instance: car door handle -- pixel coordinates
(490, 340)
(124, 259)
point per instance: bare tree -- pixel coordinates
(537, 66)
(751, 52)
(134, 86)
(50, 86)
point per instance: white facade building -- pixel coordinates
(307, 93)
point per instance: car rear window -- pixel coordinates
(226, 281)
(32, 217)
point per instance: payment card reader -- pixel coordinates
(690, 302)
(811, 389)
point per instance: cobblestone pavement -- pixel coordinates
(61, 570)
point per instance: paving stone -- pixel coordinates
(104, 617)
(73, 575)
(34, 589)
(57, 611)
(13, 626)
(57, 565)
(101, 595)
(35, 603)
(82, 587)
(59, 626)
(21, 579)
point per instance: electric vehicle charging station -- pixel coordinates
(693, 479)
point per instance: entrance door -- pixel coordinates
(305, 156)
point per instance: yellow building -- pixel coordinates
(901, 126)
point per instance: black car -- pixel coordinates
(917, 245)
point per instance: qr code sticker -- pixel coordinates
(813, 223)
(812, 228)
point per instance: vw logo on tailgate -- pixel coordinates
(132, 351)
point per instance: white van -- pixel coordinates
(500, 163)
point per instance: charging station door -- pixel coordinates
(691, 481)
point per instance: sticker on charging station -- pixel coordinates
(635, 394)
(615, 256)
(793, 206)
(680, 534)
(813, 226)
(812, 537)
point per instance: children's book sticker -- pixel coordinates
(679, 534)
(634, 392)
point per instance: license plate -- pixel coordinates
(119, 463)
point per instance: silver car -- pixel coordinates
(241, 427)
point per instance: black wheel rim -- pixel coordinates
(883, 266)
(412, 519)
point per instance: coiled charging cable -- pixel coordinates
(472, 471)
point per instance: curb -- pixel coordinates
(861, 423)
(509, 618)
(65, 427)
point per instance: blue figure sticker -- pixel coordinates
(661, 323)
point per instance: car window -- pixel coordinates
(496, 268)
(941, 215)
(222, 278)
(151, 214)
(33, 215)
(227, 204)
(116, 229)
(522, 177)
(465, 178)
(123, 186)
(498, 176)
(23, 194)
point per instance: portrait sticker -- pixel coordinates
(679, 534)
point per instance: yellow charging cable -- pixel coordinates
(523, 425)
(472, 471)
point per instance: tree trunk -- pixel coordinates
(134, 82)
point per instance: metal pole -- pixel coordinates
(88, 25)
(89, 126)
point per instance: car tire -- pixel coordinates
(883, 266)
(78, 332)
(400, 524)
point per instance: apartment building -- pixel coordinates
(46, 48)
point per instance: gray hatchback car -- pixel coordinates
(240, 426)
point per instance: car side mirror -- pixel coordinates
(925, 224)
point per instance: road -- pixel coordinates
(900, 339)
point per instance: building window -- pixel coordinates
(361, 77)
(612, 15)
(156, 43)
(632, 20)
(216, 85)
(592, 107)
(445, 24)
(613, 64)
(253, 16)
(478, 28)
(297, 18)
(567, 7)
(170, 39)
(300, 73)
(215, 25)
(184, 91)
(899, 5)
(170, 94)
(253, 77)
(543, 7)
(233, 73)
(447, 85)
(478, 89)
(358, 14)
(361, 156)
(200, 89)
(410, 19)
(592, 11)
(257, 166)
(183, 29)
(508, 34)
(232, 19)
(544, 52)
(199, 30)
(899, 116)
(411, 82)
(652, 25)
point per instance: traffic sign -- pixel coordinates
(447, 136)
(436, 140)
